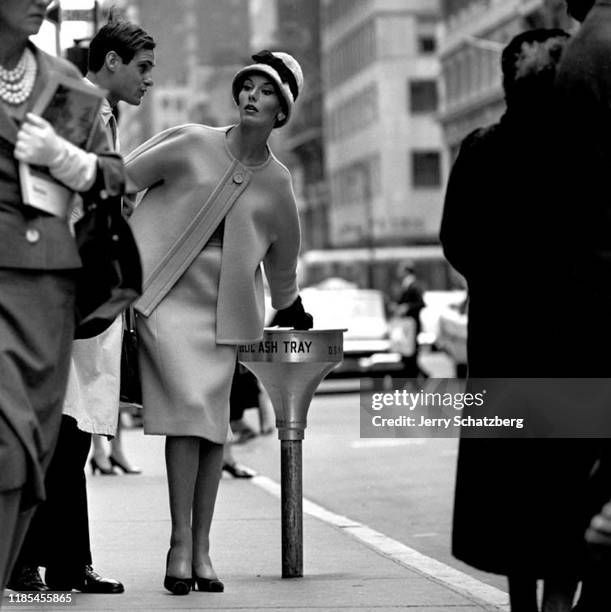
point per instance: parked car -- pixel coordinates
(452, 335)
(436, 304)
(372, 343)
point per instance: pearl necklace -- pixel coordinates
(17, 84)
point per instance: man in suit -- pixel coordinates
(121, 59)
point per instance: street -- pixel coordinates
(376, 525)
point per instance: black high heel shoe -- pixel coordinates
(238, 471)
(95, 466)
(209, 585)
(127, 469)
(177, 586)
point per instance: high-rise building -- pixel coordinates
(200, 45)
(476, 32)
(383, 144)
(300, 144)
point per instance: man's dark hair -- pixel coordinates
(579, 9)
(123, 37)
(513, 50)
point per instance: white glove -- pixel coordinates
(37, 142)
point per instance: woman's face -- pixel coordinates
(258, 101)
(23, 16)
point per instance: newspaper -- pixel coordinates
(71, 107)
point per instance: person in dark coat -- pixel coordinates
(583, 87)
(519, 504)
(121, 59)
(409, 305)
(39, 263)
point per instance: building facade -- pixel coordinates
(382, 142)
(200, 46)
(300, 144)
(475, 33)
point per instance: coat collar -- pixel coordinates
(8, 127)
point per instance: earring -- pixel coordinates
(281, 117)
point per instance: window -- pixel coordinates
(423, 96)
(426, 169)
(352, 53)
(427, 45)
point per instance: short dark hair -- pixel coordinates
(121, 36)
(512, 51)
(579, 9)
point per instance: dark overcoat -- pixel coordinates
(518, 503)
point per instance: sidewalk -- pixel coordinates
(129, 520)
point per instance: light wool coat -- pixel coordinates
(180, 169)
(94, 382)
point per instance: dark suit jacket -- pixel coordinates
(55, 249)
(35, 344)
(412, 298)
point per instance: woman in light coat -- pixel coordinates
(218, 204)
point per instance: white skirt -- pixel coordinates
(186, 375)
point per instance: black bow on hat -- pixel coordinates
(286, 75)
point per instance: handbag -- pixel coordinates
(111, 275)
(131, 390)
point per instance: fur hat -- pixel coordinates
(283, 69)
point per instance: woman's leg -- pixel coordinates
(522, 594)
(182, 458)
(206, 488)
(117, 454)
(100, 456)
(558, 594)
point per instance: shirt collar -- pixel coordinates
(105, 109)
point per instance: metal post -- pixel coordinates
(292, 508)
(290, 365)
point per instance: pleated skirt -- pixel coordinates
(186, 376)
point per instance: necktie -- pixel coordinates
(112, 122)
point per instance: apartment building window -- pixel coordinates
(427, 44)
(423, 97)
(426, 169)
(352, 53)
(426, 38)
(354, 114)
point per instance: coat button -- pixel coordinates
(32, 235)
(238, 178)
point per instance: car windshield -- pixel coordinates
(360, 310)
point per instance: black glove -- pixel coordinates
(293, 316)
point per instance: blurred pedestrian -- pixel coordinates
(38, 266)
(520, 506)
(584, 206)
(409, 304)
(121, 59)
(218, 204)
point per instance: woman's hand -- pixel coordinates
(37, 142)
(294, 316)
